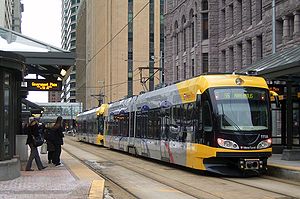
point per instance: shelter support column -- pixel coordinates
(289, 118)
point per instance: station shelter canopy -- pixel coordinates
(40, 58)
(282, 66)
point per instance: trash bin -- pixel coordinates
(21, 147)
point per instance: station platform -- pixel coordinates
(75, 180)
(71, 180)
(289, 170)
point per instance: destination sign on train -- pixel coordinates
(237, 95)
(43, 85)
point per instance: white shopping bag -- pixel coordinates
(44, 148)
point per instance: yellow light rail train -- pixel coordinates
(219, 123)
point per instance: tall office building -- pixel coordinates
(10, 14)
(124, 45)
(68, 36)
(225, 35)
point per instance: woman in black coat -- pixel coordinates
(49, 136)
(33, 130)
(58, 140)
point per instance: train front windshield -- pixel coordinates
(242, 109)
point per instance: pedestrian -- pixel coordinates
(58, 140)
(33, 130)
(49, 136)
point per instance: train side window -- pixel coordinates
(165, 118)
(131, 124)
(138, 125)
(151, 124)
(157, 124)
(175, 123)
(206, 117)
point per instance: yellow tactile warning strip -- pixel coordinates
(95, 193)
(82, 172)
(294, 168)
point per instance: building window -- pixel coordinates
(250, 12)
(205, 26)
(259, 10)
(230, 60)
(223, 23)
(177, 73)
(259, 47)
(239, 15)
(193, 68)
(72, 93)
(176, 38)
(184, 39)
(231, 19)
(73, 76)
(193, 33)
(184, 32)
(291, 26)
(239, 55)
(192, 27)
(204, 5)
(73, 18)
(205, 62)
(249, 52)
(184, 70)
(223, 61)
(73, 85)
(279, 31)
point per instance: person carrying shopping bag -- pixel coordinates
(33, 137)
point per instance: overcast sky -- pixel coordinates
(41, 20)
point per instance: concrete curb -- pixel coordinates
(284, 172)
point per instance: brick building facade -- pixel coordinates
(224, 35)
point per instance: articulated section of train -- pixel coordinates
(217, 123)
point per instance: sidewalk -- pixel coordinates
(71, 180)
(283, 169)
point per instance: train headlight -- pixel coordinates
(227, 144)
(264, 144)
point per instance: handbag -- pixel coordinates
(37, 140)
(44, 148)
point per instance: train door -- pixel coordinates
(131, 128)
(178, 133)
(165, 132)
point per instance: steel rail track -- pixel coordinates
(260, 188)
(143, 174)
(180, 184)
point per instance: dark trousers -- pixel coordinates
(56, 156)
(34, 154)
(50, 156)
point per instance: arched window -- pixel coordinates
(204, 5)
(176, 37)
(204, 20)
(192, 27)
(184, 32)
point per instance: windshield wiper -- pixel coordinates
(229, 121)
